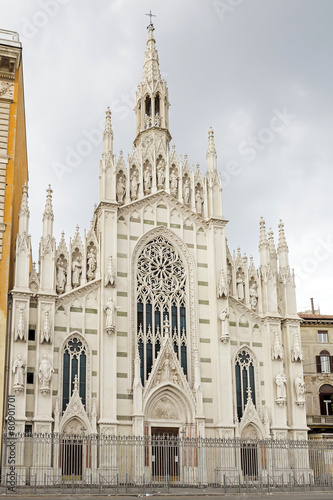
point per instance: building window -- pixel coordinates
(245, 381)
(326, 399)
(28, 429)
(74, 364)
(32, 334)
(324, 362)
(30, 377)
(322, 336)
(161, 303)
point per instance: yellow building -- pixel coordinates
(317, 344)
(13, 174)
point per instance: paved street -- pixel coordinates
(322, 495)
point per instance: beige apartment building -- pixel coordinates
(317, 344)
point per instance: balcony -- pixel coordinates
(320, 420)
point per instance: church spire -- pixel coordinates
(152, 99)
(24, 213)
(151, 69)
(283, 247)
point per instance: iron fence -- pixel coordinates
(100, 463)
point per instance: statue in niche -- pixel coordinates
(19, 372)
(160, 175)
(300, 389)
(121, 189)
(253, 297)
(173, 183)
(45, 334)
(240, 286)
(281, 381)
(224, 325)
(147, 180)
(110, 310)
(77, 269)
(187, 191)
(198, 202)
(61, 276)
(45, 374)
(91, 262)
(134, 186)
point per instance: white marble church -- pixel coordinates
(148, 322)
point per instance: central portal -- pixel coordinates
(165, 452)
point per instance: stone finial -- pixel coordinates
(271, 243)
(108, 133)
(48, 212)
(151, 69)
(277, 351)
(24, 209)
(211, 144)
(282, 238)
(263, 242)
(76, 383)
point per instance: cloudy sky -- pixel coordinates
(258, 71)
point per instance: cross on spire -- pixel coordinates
(150, 16)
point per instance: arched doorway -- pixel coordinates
(249, 452)
(71, 449)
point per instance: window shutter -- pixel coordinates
(331, 364)
(318, 363)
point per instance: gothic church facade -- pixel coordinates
(149, 321)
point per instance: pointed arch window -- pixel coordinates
(245, 380)
(74, 363)
(161, 295)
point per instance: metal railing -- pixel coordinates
(96, 463)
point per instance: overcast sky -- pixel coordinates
(258, 71)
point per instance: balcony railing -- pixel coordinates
(319, 419)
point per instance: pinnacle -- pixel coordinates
(282, 238)
(263, 237)
(48, 212)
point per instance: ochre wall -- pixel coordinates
(16, 175)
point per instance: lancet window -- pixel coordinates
(161, 303)
(74, 363)
(245, 380)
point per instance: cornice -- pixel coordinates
(79, 291)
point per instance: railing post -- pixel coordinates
(290, 487)
(268, 485)
(126, 482)
(117, 482)
(90, 483)
(44, 482)
(224, 484)
(35, 483)
(72, 483)
(310, 481)
(99, 483)
(247, 483)
(239, 483)
(282, 482)
(304, 482)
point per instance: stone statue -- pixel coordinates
(91, 261)
(300, 389)
(61, 277)
(281, 381)
(160, 175)
(147, 180)
(134, 186)
(173, 183)
(110, 310)
(76, 266)
(198, 202)
(121, 189)
(187, 191)
(19, 372)
(240, 287)
(45, 374)
(253, 297)
(45, 333)
(224, 322)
